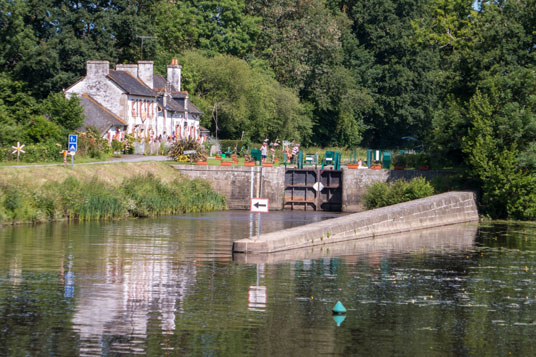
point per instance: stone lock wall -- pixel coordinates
(239, 183)
(234, 182)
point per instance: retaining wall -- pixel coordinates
(239, 183)
(235, 183)
(435, 211)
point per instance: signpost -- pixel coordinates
(18, 150)
(257, 296)
(72, 147)
(259, 205)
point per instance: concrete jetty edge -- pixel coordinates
(435, 211)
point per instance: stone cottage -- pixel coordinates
(133, 100)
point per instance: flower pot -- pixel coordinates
(399, 167)
(233, 156)
(424, 168)
(376, 167)
(225, 163)
(218, 157)
(276, 160)
(235, 161)
(202, 163)
(249, 163)
(267, 164)
(353, 166)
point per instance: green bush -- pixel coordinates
(381, 194)
(91, 144)
(400, 160)
(43, 152)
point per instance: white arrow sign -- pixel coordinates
(318, 186)
(259, 205)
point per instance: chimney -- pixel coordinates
(145, 72)
(97, 69)
(174, 75)
(132, 69)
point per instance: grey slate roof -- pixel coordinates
(159, 82)
(130, 84)
(98, 116)
(179, 95)
(193, 109)
(171, 105)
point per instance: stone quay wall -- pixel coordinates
(435, 211)
(239, 183)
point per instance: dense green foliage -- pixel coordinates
(381, 194)
(140, 196)
(456, 74)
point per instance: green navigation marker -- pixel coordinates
(339, 308)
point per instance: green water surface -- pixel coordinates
(171, 286)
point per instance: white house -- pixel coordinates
(132, 99)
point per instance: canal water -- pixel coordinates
(171, 286)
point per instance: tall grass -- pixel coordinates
(139, 196)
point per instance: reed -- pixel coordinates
(138, 196)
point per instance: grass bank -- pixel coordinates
(96, 192)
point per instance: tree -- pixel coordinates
(237, 98)
(67, 113)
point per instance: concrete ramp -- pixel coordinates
(435, 211)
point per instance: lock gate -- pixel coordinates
(313, 189)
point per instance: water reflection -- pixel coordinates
(171, 286)
(454, 237)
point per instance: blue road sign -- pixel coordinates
(73, 139)
(73, 147)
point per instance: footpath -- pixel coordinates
(124, 158)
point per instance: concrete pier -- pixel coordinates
(435, 211)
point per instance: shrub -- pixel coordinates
(381, 194)
(49, 151)
(17, 204)
(91, 144)
(177, 149)
(400, 160)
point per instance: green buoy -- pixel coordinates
(339, 308)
